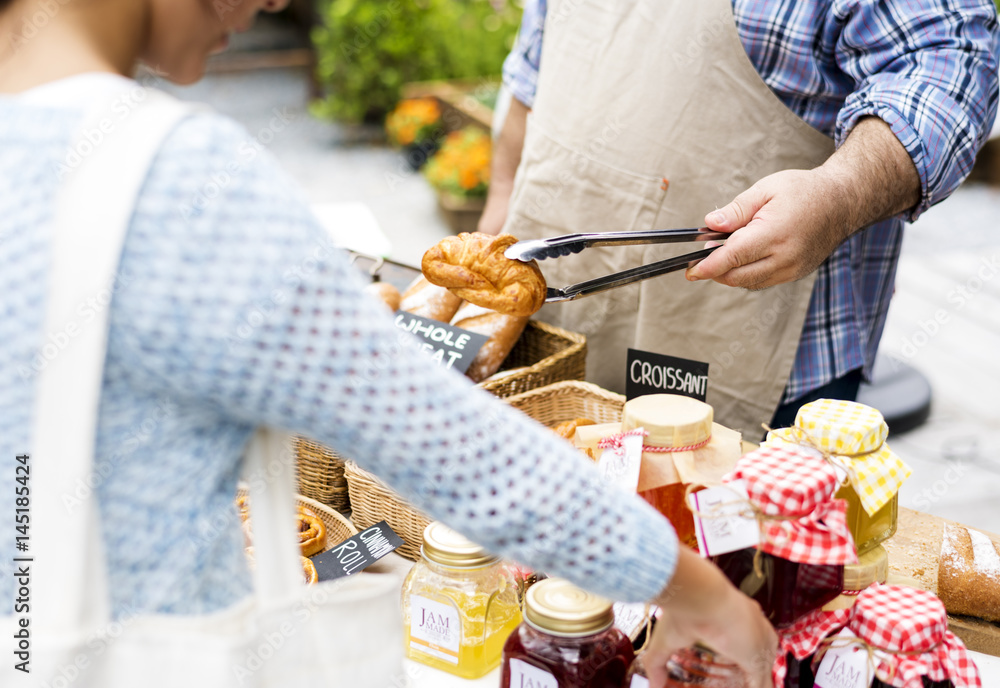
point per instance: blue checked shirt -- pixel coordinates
(928, 68)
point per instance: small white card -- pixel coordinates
(639, 682)
(629, 618)
(721, 520)
(524, 675)
(621, 468)
(845, 665)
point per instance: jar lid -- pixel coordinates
(872, 567)
(558, 607)
(444, 546)
(670, 419)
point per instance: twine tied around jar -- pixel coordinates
(805, 439)
(829, 643)
(617, 442)
(750, 510)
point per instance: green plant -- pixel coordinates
(367, 49)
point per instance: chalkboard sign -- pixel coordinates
(451, 347)
(650, 373)
(357, 552)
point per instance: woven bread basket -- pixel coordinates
(338, 528)
(373, 501)
(543, 355)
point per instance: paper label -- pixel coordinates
(722, 523)
(845, 665)
(629, 618)
(649, 373)
(639, 682)
(435, 629)
(621, 468)
(450, 347)
(524, 675)
(357, 552)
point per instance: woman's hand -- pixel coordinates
(701, 605)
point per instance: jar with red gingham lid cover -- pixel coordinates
(805, 542)
(905, 632)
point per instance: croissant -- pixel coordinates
(473, 267)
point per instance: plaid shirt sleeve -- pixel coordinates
(928, 68)
(520, 69)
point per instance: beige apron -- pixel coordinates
(633, 93)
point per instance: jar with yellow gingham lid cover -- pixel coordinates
(852, 436)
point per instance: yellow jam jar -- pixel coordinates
(459, 605)
(852, 437)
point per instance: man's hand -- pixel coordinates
(791, 221)
(700, 605)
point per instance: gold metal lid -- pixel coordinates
(872, 567)
(671, 420)
(444, 546)
(558, 607)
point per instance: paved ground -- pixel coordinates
(945, 319)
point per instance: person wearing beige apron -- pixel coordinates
(649, 115)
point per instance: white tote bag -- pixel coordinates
(341, 633)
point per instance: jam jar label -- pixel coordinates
(524, 675)
(639, 682)
(845, 665)
(721, 521)
(435, 629)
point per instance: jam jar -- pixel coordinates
(567, 640)
(460, 604)
(683, 446)
(790, 491)
(854, 435)
(693, 666)
(872, 567)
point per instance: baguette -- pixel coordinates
(503, 331)
(429, 301)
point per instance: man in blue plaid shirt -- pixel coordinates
(912, 84)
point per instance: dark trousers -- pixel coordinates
(845, 387)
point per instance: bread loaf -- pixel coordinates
(386, 292)
(969, 573)
(429, 301)
(503, 332)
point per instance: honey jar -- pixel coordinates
(567, 640)
(682, 447)
(460, 603)
(853, 436)
(872, 567)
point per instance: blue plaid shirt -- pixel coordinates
(928, 68)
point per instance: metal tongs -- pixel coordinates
(540, 249)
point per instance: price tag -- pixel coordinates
(620, 467)
(650, 373)
(845, 665)
(639, 682)
(357, 552)
(721, 521)
(451, 347)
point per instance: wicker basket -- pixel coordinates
(373, 501)
(338, 528)
(543, 355)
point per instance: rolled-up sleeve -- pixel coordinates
(928, 68)
(520, 69)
